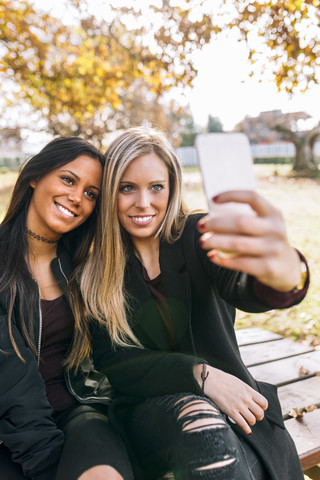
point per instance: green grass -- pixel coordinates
(299, 201)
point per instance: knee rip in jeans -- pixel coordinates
(197, 415)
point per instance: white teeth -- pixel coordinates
(142, 219)
(64, 210)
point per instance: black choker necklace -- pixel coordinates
(38, 237)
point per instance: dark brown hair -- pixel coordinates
(15, 276)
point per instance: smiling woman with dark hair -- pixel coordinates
(53, 418)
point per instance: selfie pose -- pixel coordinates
(164, 302)
(53, 426)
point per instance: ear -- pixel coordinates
(33, 183)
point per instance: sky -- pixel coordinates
(224, 89)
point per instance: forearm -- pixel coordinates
(147, 373)
(141, 371)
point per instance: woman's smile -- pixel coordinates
(142, 220)
(65, 211)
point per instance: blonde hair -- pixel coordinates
(102, 280)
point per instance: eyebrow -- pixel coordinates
(153, 181)
(78, 178)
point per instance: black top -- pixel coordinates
(57, 331)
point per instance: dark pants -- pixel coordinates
(90, 440)
(188, 435)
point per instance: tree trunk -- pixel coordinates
(304, 162)
(303, 156)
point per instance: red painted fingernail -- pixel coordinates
(215, 197)
(201, 225)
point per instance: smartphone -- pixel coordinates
(226, 164)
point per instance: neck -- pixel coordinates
(39, 250)
(40, 238)
(40, 247)
(148, 254)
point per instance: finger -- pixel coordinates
(257, 411)
(241, 244)
(255, 266)
(252, 198)
(240, 421)
(260, 400)
(202, 222)
(249, 417)
(242, 224)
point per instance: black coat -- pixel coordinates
(26, 424)
(202, 298)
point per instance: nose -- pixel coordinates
(142, 199)
(75, 197)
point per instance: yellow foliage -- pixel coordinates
(90, 69)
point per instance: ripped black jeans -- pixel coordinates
(187, 435)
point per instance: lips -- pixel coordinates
(65, 210)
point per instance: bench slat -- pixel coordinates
(299, 394)
(248, 336)
(275, 350)
(306, 434)
(294, 368)
(288, 370)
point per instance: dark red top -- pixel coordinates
(57, 331)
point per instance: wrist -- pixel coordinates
(298, 281)
(201, 372)
(204, 375)
(197, 369)
(292, 279)
(303, 275)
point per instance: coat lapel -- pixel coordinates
(176, 283)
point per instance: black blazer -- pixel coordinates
(202, 298)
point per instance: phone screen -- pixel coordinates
(226, 164)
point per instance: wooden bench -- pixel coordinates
(295, 369)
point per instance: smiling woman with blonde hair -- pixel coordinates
(104, 273)
(164, 304)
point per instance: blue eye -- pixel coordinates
(127, 188)
(158, 187)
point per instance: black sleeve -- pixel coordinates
(49, 474)
(143, 372)
(239, 289)
(26, 425)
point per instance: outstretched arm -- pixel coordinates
(259, 242)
